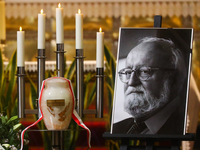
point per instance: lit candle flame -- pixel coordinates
(59, 5)
(100, 30)
(79, 11)
(20, 28)
(41, 11)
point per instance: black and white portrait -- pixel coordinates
(151, 88)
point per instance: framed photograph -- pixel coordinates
(152, 81)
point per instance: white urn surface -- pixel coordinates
(57, 103)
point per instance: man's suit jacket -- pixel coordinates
(173, 125)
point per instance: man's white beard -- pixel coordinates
(140, 104)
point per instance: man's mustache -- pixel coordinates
(138, 89)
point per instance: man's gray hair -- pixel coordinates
(177, 60)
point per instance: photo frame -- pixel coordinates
(152, 81)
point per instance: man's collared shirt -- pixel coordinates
(155, 122)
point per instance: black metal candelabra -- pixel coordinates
(21, 91)
(41, 73)
(79, 81)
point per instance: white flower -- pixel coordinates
(1, 148)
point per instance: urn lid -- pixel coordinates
(56, 82)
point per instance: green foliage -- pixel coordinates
(89, 90)
(10, 130)
(110, 84)
(10, 127)
(69, 74)
(110, 77)
(33, 94)
(7, 85)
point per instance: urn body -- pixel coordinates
(57, 103)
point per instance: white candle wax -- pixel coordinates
(59, 25)
(20, 48)
(41, 30)
(79, 30)
(2, 21)
(100, 49)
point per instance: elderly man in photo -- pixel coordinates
(153, 78)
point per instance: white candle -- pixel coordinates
(79, 30)
(59, 25)
(100, 49)
(41, 30)
(2, 21)
(20, 48)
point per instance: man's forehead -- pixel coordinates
(148, 54)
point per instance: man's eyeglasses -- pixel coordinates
(142, 73)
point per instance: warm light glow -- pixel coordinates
(79, 11)
(41, 11)
(100, 30)
(59, 5)
(20, 28)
